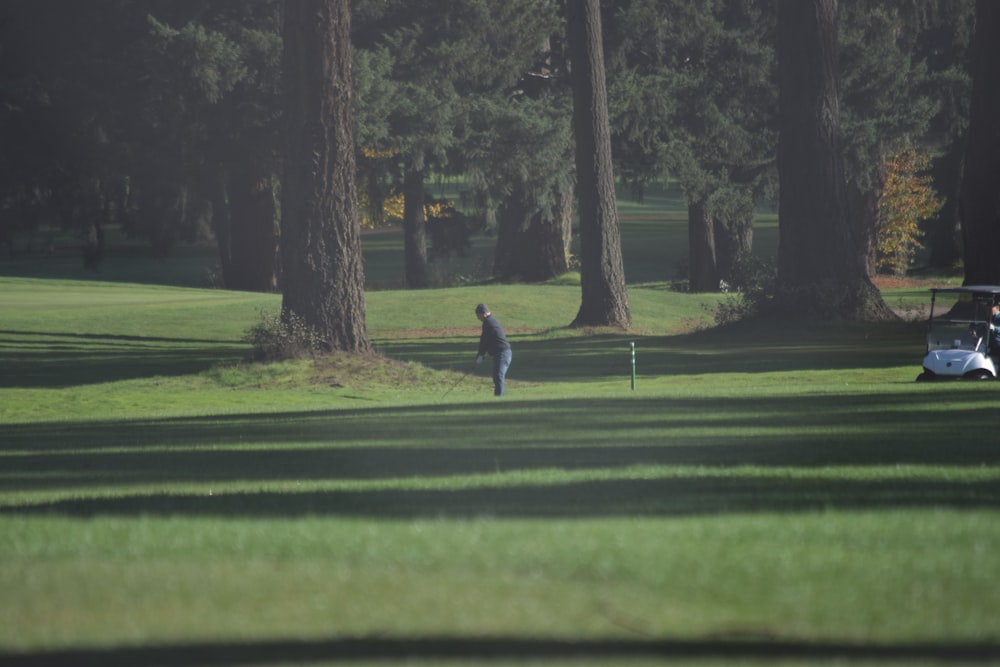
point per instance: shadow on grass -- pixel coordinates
(681, 496)
(57, 359)
(750, 347)
(893, 427)
(731, 450)
(500, 648)
(54, 360)
(422, 443)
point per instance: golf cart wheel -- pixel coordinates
(979, 375)
(926, 376)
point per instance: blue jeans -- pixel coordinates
(501, 363)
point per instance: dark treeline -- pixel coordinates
(165, 117)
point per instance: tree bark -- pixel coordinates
(532, 246)
(414, 230)
(820, 269)
(511, 217)
(945, 230)
(863, 207)
(323, 277)
(703, 274)
(604, 299)
(244, 223)
(980, 199)
(733, 242)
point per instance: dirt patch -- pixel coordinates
(893, 282)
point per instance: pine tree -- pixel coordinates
(819, 269)
(323, 279)
(883, 63)
(980, 188)
(693, 95)
(604, 299)
(438, 62)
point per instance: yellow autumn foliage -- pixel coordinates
(908, 198)
(392, 210)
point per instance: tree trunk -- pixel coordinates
(820, 270)
(531, 246)
(980, 200)
(244, 216)
(703, 274)
(604, 299)
(863, 207)
(511, 217)
(93, 245)
(565, 218)
(944, 230)
(414, 230)
(323, 277)
(733, 241)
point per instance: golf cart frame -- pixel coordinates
(958, 339)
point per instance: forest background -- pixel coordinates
(164, 120)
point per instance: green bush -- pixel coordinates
(280, 336)
(753, 280)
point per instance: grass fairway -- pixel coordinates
(769, 492)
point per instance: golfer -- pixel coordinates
(493, 341)
(994, 342)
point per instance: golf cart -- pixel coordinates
(959, 341)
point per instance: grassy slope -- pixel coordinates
(767, 491)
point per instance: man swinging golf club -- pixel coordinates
(493, 341)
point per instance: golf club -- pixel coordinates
(458, 382)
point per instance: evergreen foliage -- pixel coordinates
(439, 90)
(161, 118)
(694, 97)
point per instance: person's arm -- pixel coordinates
(483, 341)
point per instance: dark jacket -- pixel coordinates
(493, 340)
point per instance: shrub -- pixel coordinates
(281, 336)
(907, 199)
(754, 280)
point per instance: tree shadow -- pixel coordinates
(467, 649)
(658, 497)
(749, 347)
(421, 442)
(393, 443)
(68, 359)
(808, 419)
(57, 360)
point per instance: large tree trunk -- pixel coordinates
(820, 270)
(980, 201)
(323, 277)
(511, 217)
(944, 230)
(531, 246)
(863, 211)
(414, 230)
(604, 299)
(703, 274)
(733, 242)
(244, 223)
